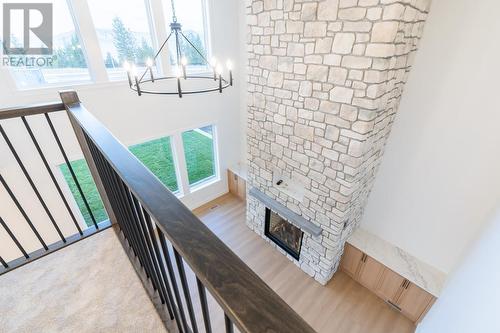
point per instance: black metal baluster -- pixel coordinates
(133, 226)
(72, 172)
(185, 288)
(228, 324)
(23, 213)
(4, 264)
(114, 193)
(171, 273)
(161, 265)
(204, 306)
(132, 235)
(137, 211)
(105, 172)
(150, 242)
(30, 181)
(14, 239)
(56, 184)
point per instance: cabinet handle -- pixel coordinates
(403, 283)
(407, 284)
(394, 306)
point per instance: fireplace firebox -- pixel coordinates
(283, 233)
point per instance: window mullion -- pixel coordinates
(161, 32)
(180, 162)
(85, 25)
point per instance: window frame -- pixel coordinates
(76, 23)
(212, 179)
(80, 12)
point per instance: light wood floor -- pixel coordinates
(343, 306)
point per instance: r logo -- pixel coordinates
(34, 23)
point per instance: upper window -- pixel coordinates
(191, 15)
(66, 65)
(157, 156)
(199, 150)
(124, 33)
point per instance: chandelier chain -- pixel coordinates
(174, 16)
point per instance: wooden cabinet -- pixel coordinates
(237, 185)
(404, 296)
(389, 286)
(351, 260)
(369, 272)
(414, 301)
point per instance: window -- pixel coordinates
(157, 156)
(200, 154)
(191, 14)
(89, 188)
(67, 64)
(124, 34)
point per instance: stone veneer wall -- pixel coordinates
(325, 81)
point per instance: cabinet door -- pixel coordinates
(390, 286)
(242, 188)
(414, 301)
(232, 182)
(370, 272)
(351, 260)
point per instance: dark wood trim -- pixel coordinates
(250, 304)
(31, 110)
(40, 253)
(70, 98)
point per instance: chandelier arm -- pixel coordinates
(162, 46)
(156, 56)
(195, 48)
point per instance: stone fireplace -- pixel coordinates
(325, 81)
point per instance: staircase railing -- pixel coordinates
(157, 227)
(27, 235)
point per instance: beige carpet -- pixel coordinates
(89, 286)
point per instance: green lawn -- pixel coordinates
(89, 190)
(199, 152)
(157, 156)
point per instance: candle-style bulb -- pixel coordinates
(184, 62)
(178, 75)
(213, 62)
(219, 70)
(126, 66)
(230, 68)
(149, 62)
(133, 71)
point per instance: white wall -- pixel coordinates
(132, 119)
(439, 179)
(471, 300)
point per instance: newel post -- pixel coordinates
(72, 104)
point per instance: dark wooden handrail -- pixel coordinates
(248, 302)
(17, 112)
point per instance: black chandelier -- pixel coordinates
(141, 84)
